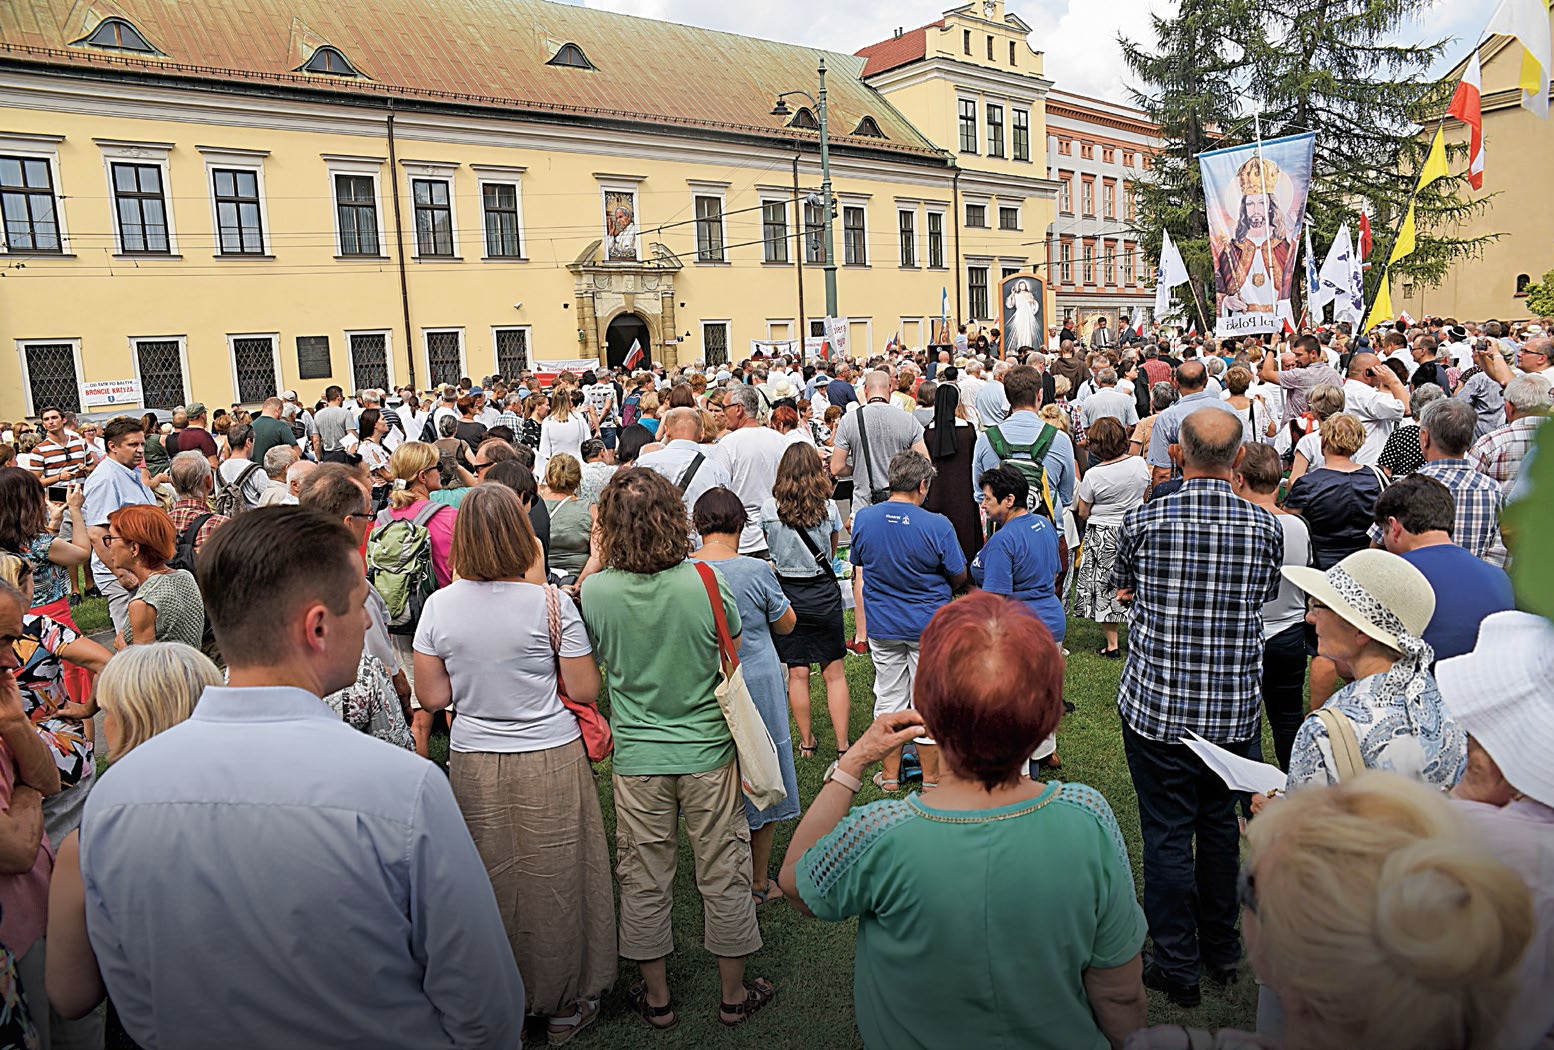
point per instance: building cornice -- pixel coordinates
(1059, 112)
(1017, 86)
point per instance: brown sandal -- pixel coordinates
(648, 1013)
(758, 993)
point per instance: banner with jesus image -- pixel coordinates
(1256, 197)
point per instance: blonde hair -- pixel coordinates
(14, 569)
(647, 404)
(1055, 415)
(560, 403)
(709, 427)
(1061, 385)
(1326, 400)
(563, 474)
(1342, 434)
(1379, 912)
(409, 461)
(150, 688)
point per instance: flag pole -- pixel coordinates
(1267, 249)
(1198, 303)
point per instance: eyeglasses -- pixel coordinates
(110, 539)
(476, 468)
(1529, 350)
(1246, 889)
(363, 514)
(1312, 605)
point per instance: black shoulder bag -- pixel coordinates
(876, 495)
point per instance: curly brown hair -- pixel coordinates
(802, 487)
(643, 527)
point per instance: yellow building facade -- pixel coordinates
(1518, 146)
(219, 202)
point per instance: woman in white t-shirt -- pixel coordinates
(1108, 491)
(1325, 401)
(564, 430)
(374, 456)
(517, 763)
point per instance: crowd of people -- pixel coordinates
(1306, 530)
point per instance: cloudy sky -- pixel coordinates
(1077, 35)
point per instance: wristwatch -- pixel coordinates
(842, 777)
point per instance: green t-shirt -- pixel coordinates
(663, 707)
(449, 497)
(1012, 905)
(268, 433)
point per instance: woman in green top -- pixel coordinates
(1026, 952)
(571, 519)
(166, 605)
(652, 625)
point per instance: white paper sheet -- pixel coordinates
(1239, 774)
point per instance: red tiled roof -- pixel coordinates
(482, 52)
(897, 51)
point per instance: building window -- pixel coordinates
(1011, 53)
(814, 230)
(27, 203)
(1087, 150)
(512, 350)
(1087, 264)
(1008, 218)
(714, 342)
(141, 208)
(1066, 196)
(160, 364)
(1127, 158)
(356, 209)
(1109, 199)
(1130, 263)
(444, 356)
(118, 35)
(936, 239)
(1065, 147)
(990, 49)
(52, 378)
(1066, 262)
(965, 40)
(1087, 197)
(570, 55)
(433, 218)
(869, 128)
(1130, 199)
(709, 229)
(369, 360)
(968, 126)
(804, 117)
(855, 245)
(774, 231)
(504, 238)
(330, 61)
(906, 222)
(1522, 281)
(976, 291)
(1109, 262)
(254, 367)
(1008, 271)
(1108, 155)
(995, 131)
(1022, 133)
(976, 216)
(239, 228)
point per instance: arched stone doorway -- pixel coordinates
(618, 338)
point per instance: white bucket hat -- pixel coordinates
(1502, 694)
(1379, 593)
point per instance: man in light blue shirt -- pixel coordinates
(1192, 379)
(992, 401)
(1023, 426)
(115, 483)
(263, 875)
(682, 429)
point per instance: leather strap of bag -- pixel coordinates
(553, 616)
(868, 461)
(820, 559)
(726, 651)
(1348, 762)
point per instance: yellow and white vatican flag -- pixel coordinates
(1528, 22)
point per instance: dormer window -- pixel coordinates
(118, 35)
(803, 118)
(570, 55)
(329, 61)
(869, 128)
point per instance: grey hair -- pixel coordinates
(1215, 365)
(1528, 394)
(276, 460)
(1423, 397)
(1163, 395)
(447, 426)
(1450, 423)
(747, 398)
(189, 471)
(1106, 377)
(908, 470)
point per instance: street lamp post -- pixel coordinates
(781, 110)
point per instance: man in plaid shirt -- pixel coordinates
(1445, 433)
(1198, 565)
(193, 482)
(1498, 454)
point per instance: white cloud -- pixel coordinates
(1078, 37)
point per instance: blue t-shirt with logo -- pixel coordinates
(1021, 561)
(1467, 589)
(908, 555)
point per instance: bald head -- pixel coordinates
(1211, 442)
(1190, 376)
(682, 424)
(1359, 364)
(877, 383)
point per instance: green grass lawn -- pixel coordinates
(811, 961)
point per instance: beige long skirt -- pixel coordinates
(536, 821)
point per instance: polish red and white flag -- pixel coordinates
(1466, 107)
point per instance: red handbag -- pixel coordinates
(598, 741)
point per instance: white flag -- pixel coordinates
(1314, 300)
(1170, 273)
(1340, 279)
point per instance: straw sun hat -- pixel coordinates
(1377, 592)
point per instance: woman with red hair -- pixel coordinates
(964, 876)
(166, 605)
